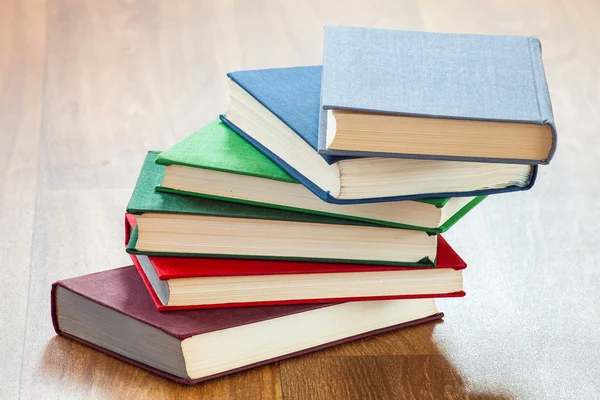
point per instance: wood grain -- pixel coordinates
(87, 87)
(381, 377)
(22, 55)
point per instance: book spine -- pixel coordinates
(321, 137)
(53, 310)
(183, 381)
(129, 225)
(461, 213)
(157, 303)
(54, 314)
(541, 91)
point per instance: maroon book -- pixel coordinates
(111, 311)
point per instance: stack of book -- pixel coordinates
(310, 213)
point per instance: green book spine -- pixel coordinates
(461, 213)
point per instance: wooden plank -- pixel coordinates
(376, 377)
(416, 340)
(22, 53)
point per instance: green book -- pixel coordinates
(216, 163)
(178, 225)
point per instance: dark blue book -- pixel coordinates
(277, 110)
(439, 96)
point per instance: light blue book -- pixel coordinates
(441, 96)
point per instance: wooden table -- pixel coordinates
(87, 87)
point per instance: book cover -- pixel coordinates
(438, 75)
(216, 147)
(123, 291)
(293, 96)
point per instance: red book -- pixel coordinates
(112, 312)
(184, 283)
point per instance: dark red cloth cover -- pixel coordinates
(122, 290)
